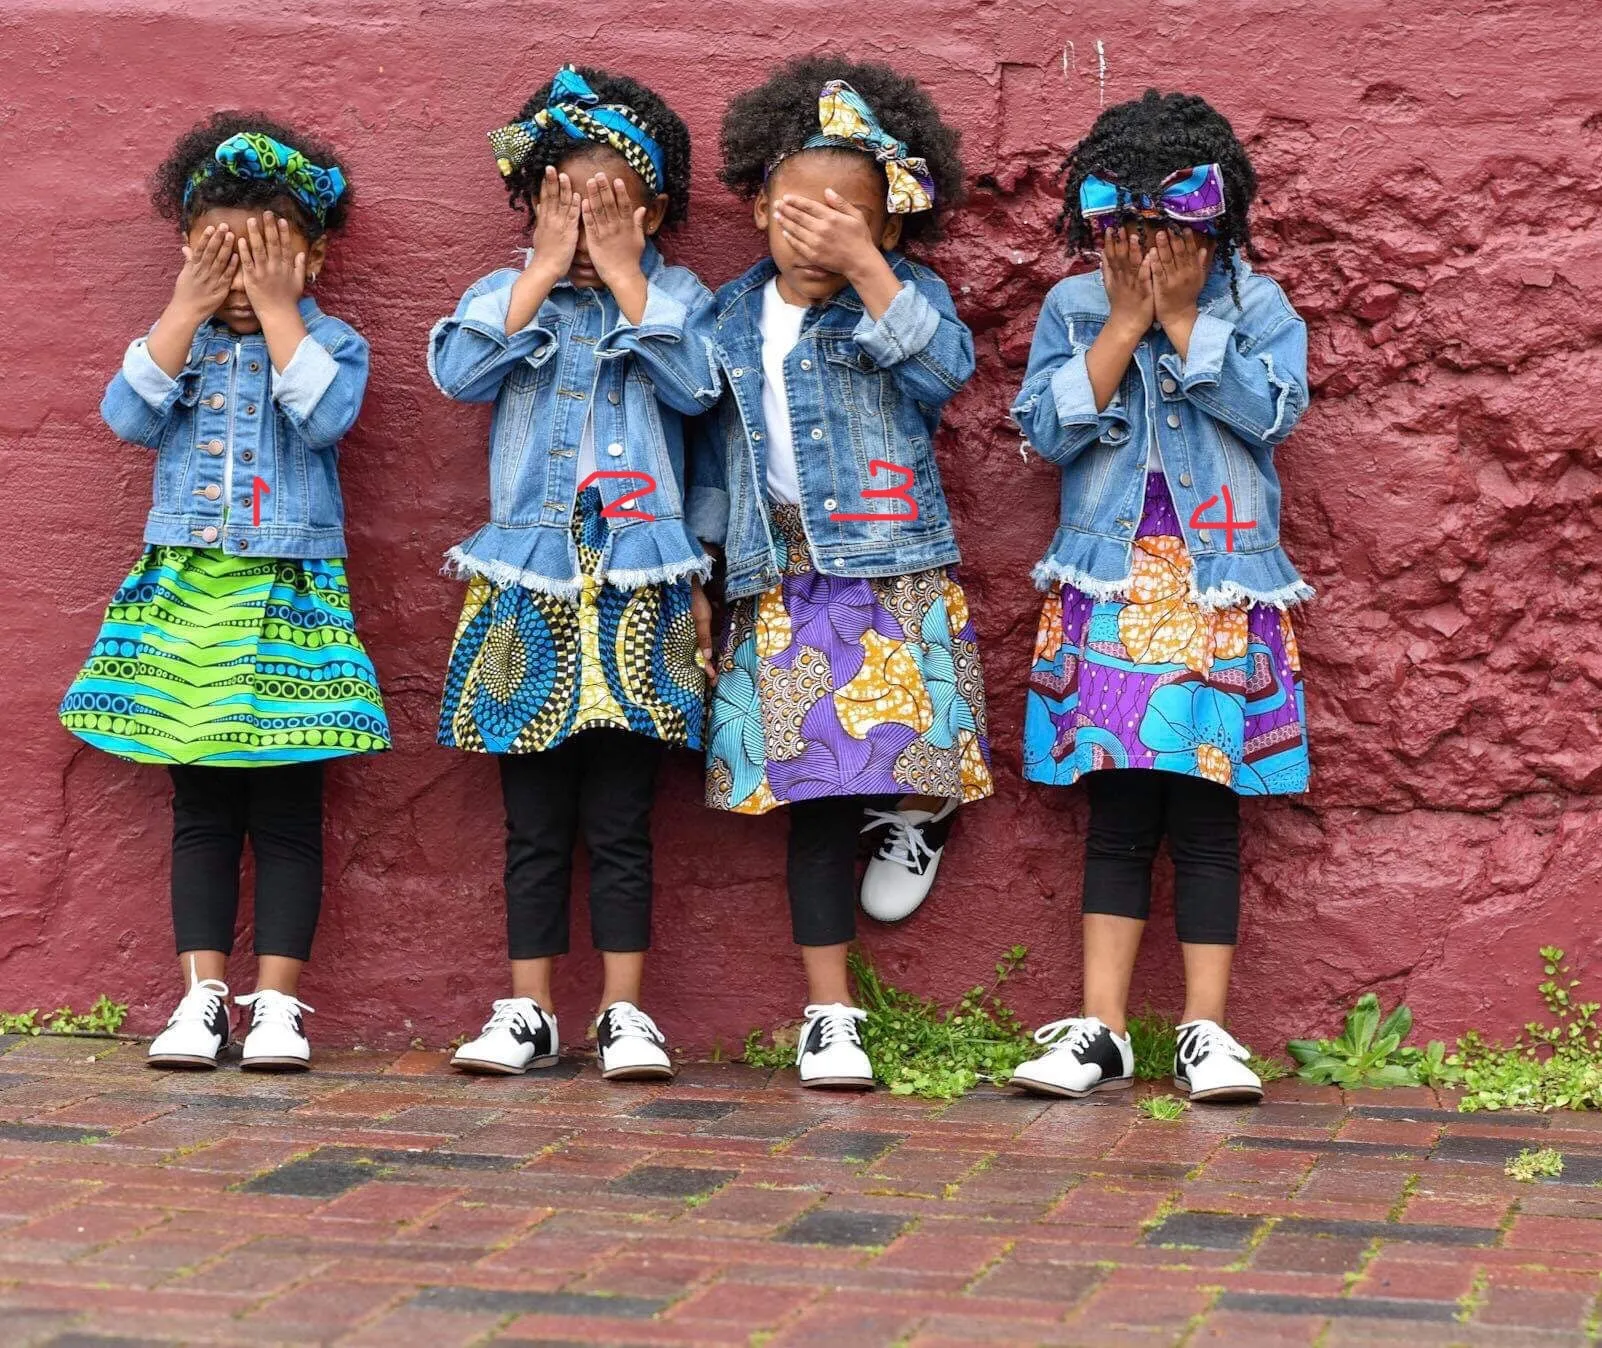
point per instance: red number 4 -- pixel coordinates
(900, 491)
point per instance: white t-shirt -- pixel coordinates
(781, 330)
(586, 453)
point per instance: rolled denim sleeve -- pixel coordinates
(471, 353)
(320, 391)
(1258, 389)
(672, 341)
(1056, 407)
(140, 398)
(920, 340)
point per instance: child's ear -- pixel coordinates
(890, 235)
(655, 213)
(315, 253)
(761, 210)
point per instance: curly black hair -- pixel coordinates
(1139, 143)
(553, 145)
(777, 117)
(196, 147)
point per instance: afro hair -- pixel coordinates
(196, 148)
(776, 118)
(1140, 143)
(553, 145)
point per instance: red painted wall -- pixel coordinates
(1432, 197)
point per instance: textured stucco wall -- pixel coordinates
(1431, 184)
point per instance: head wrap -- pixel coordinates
(846, 122)
(252, 155)
(1192, 196)
(577, 110)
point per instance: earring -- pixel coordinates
(311, 278)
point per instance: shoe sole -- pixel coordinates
(182, 1060)
(838, 1084)
(275, 1064)
(1064, 1093)
(644, 1072)
(478, 1067)
(1223, 1095)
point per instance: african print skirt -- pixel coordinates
(528, 669)
(832, 686)
(228, 661)
(1156, 681)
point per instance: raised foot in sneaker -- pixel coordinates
(1084, 1057)
(830, 1053)
(277, 1038)
(519, 1034)
(1210, 1064)
(197, 1031)
(903, 869)
(629, 1045)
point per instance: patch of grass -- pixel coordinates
(105, 1017)
(1163, 1107)
(1153, 1038)
(1370, 1052)
(916, 1046)
(1549, 1066)
(1270, 1068)
(1534, 1163)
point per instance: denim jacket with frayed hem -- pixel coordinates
(228, 419)
(862, 394)
(1216, 417)
(580, 357)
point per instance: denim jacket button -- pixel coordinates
(243, 544)
(249, 456)
(211, 491)
(613, 398)
(615, 450)
(213, 447)
(1204, 537)
(1169, 386)
(1184, 479)
(1173, 420)
(839, 561)
(250, 410)
(216, 402)
(830, 504)
(255, 366)
(756, 435)
(208, 535)
(817, 432)
(221, 358)
(737, 371)
(806, 365)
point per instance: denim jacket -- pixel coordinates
(578, 358)
(860, 392)
(1215, 417)
(230, 418)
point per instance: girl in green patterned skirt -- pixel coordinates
(229, 655)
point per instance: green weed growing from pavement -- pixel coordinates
(916, 1046)
(1534, 1163)
(1549, 1066)
(1163, 1108)
(1153, 1038)
(105, 1017)
(1371, 1052)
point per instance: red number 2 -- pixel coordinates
(901, 491)
(616, 511)
(258, 489)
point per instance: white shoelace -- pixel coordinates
(200, 1002)
(839, 1025)
(904, 845)
(1072, 1033)
(269, 1007)
(507, 1013)
(629, 1020)
(1202, 1038)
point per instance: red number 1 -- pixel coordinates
(258, 489)
(901, 491)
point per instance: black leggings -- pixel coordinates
(1130, 811)
(822, 868)
(602, 781)
(281, 811)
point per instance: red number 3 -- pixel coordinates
(901, 491)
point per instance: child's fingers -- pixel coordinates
(284, 243)
(269, 239)
(639, 219)
(550, 188)
(300, 271)
(805, 206)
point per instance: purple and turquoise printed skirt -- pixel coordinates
(833, 686)
(1157, 681)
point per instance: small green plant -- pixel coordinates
(1163, 1107)
(1370, 1052)
(1153, 1038)
(105, 1017)
(1270, 1068)
(1532, 1164)
(915, 1046)
(1549, 1066)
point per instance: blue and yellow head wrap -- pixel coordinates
(577, 110)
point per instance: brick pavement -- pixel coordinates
(382, 1200)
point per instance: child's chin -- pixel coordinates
(243, 324)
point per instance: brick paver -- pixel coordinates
(383, 1200)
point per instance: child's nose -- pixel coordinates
(238, 282)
